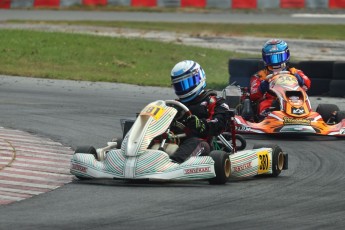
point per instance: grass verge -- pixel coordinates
(134, 61)
(95, 58)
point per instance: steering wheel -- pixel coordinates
(182, 109)
(183, 112)
(268, 77)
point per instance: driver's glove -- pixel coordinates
(197, 126)
(264, 86)
(299, 79)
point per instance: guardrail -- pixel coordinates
(224, 4)
(327, 77)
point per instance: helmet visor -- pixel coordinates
(187, 83)
(277, 58)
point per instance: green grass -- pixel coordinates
(134, 61)
(96, 58)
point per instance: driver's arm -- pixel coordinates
(302, 79)
(221, 117)
(255, 90)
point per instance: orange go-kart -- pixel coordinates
(291, 112)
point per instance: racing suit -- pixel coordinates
(259, 94)
(214, 114)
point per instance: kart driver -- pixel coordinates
(210, 113)
(276, 55)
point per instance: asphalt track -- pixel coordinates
(310, 195)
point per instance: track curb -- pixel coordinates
(30, 165)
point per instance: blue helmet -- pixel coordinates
(275, 53)
(188, 80)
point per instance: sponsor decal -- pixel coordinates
(342, 131)
(225, 106)
(79, 168)
(294, 121)
(242, 167)
(243, 128)
(298, 111)
(197, 170)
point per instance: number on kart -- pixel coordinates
(153, 111)
(264, 162)
(286, 80)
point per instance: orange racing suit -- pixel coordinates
(264, 99)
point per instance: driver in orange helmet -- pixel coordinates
(276, 56)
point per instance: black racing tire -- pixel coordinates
(118, 141)
(339, 116)
(241, 143)
(240, 70)
(319, 87)
(279, 159)
(317, 69)
(326, 110)
(336, 88)
(86, 149)
(338, 70)
(222, 167)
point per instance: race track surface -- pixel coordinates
(307, 196)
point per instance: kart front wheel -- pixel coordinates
(86, 149)
(222, 167)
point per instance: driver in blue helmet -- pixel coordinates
(210, 113)
(276, 56)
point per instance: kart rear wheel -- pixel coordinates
(241, 143)
(222, 167)
(240, 139)
(279, 159)
(326, 110)
(339, 116)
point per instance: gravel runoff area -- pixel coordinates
(301, 49)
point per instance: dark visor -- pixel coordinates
(276, 58)
(187, 83)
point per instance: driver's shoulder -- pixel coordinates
(261, 74)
